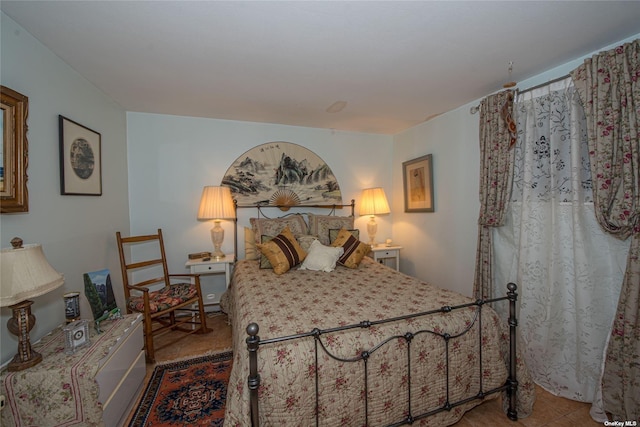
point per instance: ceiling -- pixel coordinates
(395, 64)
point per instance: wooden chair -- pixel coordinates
(167, 306)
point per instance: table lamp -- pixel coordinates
(24, 273)
(373, 202)
(216, 204)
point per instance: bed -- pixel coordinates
(363, 346)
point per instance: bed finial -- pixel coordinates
(253, 329)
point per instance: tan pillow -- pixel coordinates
(319, 225)
(283, 251)
(272, 227)
(354, 249)
(250, 250)
(305, 241)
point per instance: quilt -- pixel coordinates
(300, 300)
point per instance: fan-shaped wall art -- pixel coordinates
(281, 173)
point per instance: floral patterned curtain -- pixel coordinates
(497, 136)
(609, 87)
(568, 270)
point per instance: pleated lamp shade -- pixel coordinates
(374, 202)
(216, 203)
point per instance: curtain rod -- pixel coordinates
(529, 89)
(476, 108)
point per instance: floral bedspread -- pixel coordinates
(300, 300)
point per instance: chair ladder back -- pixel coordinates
(164, 258)
(123, 269)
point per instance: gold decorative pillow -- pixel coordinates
(333, 233)
(264, 261)
(283, 251)
(354, 249)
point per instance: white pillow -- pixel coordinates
(321, 257)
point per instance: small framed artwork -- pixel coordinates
(76, 335)
(80, 159)
(417, 177)
(99, 292)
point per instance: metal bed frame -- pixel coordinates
(511, 385)
(254, 343)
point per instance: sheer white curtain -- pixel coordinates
(568, 271)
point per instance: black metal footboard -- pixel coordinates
(510, 385)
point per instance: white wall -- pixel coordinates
(440, 247)
(77, 233)
(172, 158)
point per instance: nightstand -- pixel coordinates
(383, 254)
(210, 293)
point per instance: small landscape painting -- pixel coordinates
(99, 292)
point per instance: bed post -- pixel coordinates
(253, 342)
(235, 230)
(512, 412)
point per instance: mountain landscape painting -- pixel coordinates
(281, 173)
(99, 292)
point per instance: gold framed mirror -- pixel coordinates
(14, 196)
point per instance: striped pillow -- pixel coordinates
(354, 249)
(283, 251)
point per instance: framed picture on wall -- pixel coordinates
(14, 151)
(80, 159)
(417, 177)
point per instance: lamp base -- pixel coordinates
(18, 365)
(372, 229)
(20, 324)
(217, 237)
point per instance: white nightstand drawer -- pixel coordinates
(207, 268)
(387, 254)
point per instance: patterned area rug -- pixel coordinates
(188, 392)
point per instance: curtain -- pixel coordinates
(568, 270)
(497, 136)
(609, 86)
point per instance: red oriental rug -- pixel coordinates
(188, 392)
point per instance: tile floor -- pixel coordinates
(549, 410)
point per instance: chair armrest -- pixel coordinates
(139, 288)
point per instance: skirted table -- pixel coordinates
(76, 389)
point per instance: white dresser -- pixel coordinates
(61, 389)
(121, 374)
